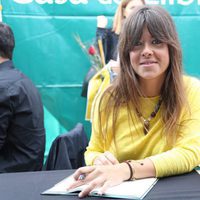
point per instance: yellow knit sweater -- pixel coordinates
(97, 85)
(131, 143)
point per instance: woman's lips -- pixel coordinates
(148, 63)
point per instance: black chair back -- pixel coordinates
(67, 150)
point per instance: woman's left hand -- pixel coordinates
(106, 158)
(99, 176)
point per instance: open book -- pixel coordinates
(197, 169)
(136, 189)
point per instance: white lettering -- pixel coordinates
(152, 2)
(171, 2)
(79, 1)
(44, 1)
(185, 2)
(23, 1)
(105, 1)
(164, 2)
(60, 1)
(117, 1)
(109, 1)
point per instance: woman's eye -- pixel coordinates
(155, 41)
(138, 43)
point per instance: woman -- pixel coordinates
(147, 124)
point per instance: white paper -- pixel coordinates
(130, 189)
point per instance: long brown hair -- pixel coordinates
(126, 90)
(119, 16)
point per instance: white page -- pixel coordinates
(61, 187)
(198, 169)
(135, 189)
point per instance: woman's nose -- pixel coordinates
(147, 51)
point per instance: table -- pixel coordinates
(29, 185)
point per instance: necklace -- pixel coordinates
(146, 122)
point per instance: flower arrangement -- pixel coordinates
(94, 54)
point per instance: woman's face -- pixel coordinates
(149, 57)
(130, 6)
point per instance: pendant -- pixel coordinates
(146, 126)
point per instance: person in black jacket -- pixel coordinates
(22, 133)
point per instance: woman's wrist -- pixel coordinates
(143, 168)
(137, 169)
(125, 170)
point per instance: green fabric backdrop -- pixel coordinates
(47, 52)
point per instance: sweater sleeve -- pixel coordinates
(96, 143)
(97, 84)
(185, 154)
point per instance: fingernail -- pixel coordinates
(80, 195)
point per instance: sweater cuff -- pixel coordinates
(162, 167)
(89, 158)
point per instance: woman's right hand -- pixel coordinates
(106, 158)
(99, 176)
(102, 21)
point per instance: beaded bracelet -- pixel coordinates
(132, 171)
